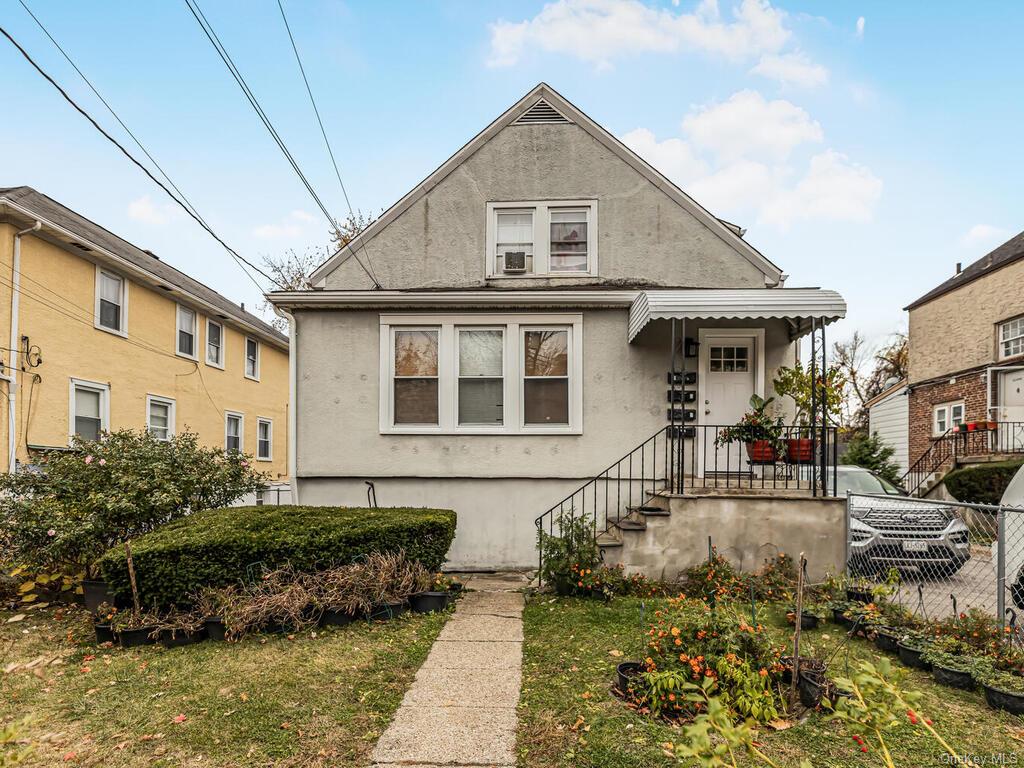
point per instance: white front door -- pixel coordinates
(729, 365)
(1011, 411)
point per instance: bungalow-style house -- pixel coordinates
(543, 306)
(100, 335)
(966, 367)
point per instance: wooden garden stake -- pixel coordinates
(796, 635)
(131, 578)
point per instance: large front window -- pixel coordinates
(509, 374)
(542, 239)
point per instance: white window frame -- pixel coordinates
(245, 358)
(206, 344)
(260, 420)
(123, 330)
(541, 210)
(947, 411)
(241, 429)
(1001, 340)
(93, 386)
(458, 373)
(195, 332)
(512, 324)
(171, 413)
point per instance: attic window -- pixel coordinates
(541, 112)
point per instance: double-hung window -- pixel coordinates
(160, 417)
(542, 239)
(214, 344)
(252, 358)
(186, 341)
(111, 302)
(946, 416)
(481, 374)
(264, 439)
(234, 425)
(1011, 338)
(89, 407)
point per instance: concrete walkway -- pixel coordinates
(461, 709)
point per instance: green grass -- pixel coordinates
(318, 700)
(568, 717)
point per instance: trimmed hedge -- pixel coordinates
(981, 483)
(218, 547)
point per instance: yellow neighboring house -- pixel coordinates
(96, 334)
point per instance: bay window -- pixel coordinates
(481, 374)
(542, 239)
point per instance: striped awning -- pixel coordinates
(799, 305)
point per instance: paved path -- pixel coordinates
(461, 709)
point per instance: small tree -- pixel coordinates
(871, 453)
(795, 382)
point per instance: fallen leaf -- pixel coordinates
(69, 756)
(586, 695)
(286, 725)
(615, 652)
(181, 719)
(780, 725)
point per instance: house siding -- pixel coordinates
(889, 419)
(970, 388)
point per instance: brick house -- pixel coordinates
(966, 352)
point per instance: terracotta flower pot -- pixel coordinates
(761, 452)
(800, 450)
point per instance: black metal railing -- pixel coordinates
(681, 460)
(975, 439)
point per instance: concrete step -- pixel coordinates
(627, 524)
(649, 511)
(604, 541)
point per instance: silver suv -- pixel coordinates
(900, 532)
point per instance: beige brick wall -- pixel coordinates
(957, 331)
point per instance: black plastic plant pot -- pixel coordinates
(133, 638)
(386, 611)
(333, 618)
(840, 619)
(886, 640)
(953, 678)
(911, 657)
(175, 638)
(95, 593)
(1007, 701)
(808, 621)
(626, 672)
(811, 687)
(215, 629)
(859, 595)
(104, 633)
(428, 602)
(455, 587)
(807, 666)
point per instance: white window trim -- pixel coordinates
(541, 237)
(448, 392)
(241, 429)
(948, 407)
(264, 420)
(206, 344)
(195, 332)
(95, 386)
(245, 358)
(123, 331)
(458, 376)
(1000, 340)
(172, 416)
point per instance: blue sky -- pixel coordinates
(866, 146)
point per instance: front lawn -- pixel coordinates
(318, 698)
(568, 716)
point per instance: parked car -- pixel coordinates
(1013, 496)
(899, 532)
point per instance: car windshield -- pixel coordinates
(862, 481)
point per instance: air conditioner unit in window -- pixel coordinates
(515, 261)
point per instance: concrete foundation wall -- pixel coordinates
(745, 529)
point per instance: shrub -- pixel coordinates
(871, 453)
(572, 553)
(983, 483)
(220, 547)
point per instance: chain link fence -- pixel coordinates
(944, 557)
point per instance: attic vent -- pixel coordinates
(81, 247)
(541, 112)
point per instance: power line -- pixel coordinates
(141, 167)
(225, 57)
(323, 132)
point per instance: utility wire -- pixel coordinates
(323, 131)
(225, 57)
(141, 167)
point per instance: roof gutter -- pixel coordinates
(371, 299)
(13, 357)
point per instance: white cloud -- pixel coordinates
(293, 225)
(145, 210)
(984, 236)
(749, 126)
(673, 157)
(791, 69)
(599, 31)
(860, 26)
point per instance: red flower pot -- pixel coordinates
(761, 452)
(972, 426)
(800, 450)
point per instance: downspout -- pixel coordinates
(13, 357)
(292, 405)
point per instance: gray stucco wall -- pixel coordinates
(644, 236)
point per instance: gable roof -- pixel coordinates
(557, 109)
(63, 225)
(1007, 253)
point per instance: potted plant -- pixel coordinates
(886, 638)
(215, 606)
(808, 665)
(840, 612)
(625, 673)
(104, 615)
(810, 616)
(952, 670)
(758, 431)
(1004, 690)
(132, 628)
(176, 628)
(797, 383)
(430, 595)
(911, 647)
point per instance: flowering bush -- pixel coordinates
(717, 579)
(607, 581)
(572, 553)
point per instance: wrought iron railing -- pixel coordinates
(682, 460)
(945, 452)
